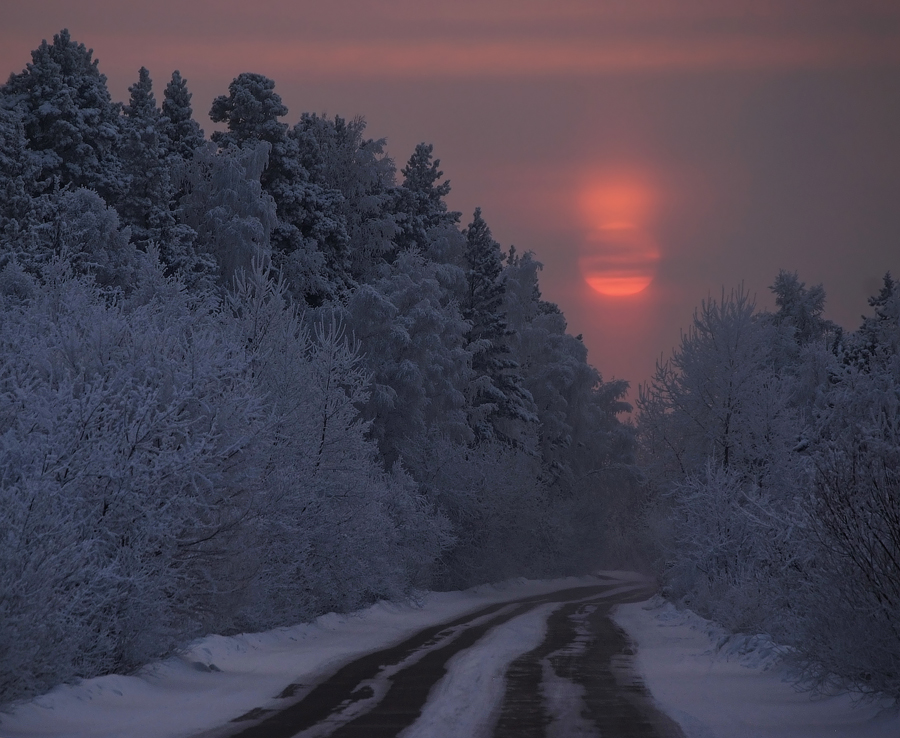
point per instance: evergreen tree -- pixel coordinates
(423, 219)
(499, 402)
(68, 116)
(145, 204)
(878, 338)
(800, 308)
(579, 434)
(309, 240)
(22, 209)
(228, 210)
(340, 159)
(413, 343)
(183, 134)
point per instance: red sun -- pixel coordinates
(619, 257)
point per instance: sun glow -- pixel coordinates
(619, 256)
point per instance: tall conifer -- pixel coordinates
(498, 394)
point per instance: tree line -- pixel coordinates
(249, 379)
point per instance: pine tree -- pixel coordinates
(69, 117)
(498, 396)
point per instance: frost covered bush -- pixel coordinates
(338, 531)
(728, 544)
(127, 462)
(850, 630)
(719, 433)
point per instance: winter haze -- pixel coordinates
(764, 131)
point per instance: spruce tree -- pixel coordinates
(498, 399)
(800, 308)
(183, 133)
(878, 338)
(423, 218)
(144, 205)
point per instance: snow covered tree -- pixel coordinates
(499, 405)
(25, 204)
(89, 237)
(340, 159)
(848, 599)
(422, 216)
(500, 512)
(412, 338)
(800, 308)
(586, 452)
(146, 204)
(126, 468)
(77, 227)
(877, 340)
(719, 431)
(309, 239)
(718, 397)
(183, 134)
(579, 432)
(68, 116)
(228, 210)
(337, 531)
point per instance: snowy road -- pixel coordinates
(575, 682)
(520, 658)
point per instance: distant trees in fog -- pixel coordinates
(246, 381)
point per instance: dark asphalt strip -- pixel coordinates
(616, 700)
(523, 713)
(410, 687)
(596, 658)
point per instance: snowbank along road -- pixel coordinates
(577, 681)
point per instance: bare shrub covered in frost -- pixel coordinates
(791, 523)
(850, 629)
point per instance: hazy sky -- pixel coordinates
(697, 144)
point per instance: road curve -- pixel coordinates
(578, 681)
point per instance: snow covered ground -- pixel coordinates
(720, 687)
(713, 686)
